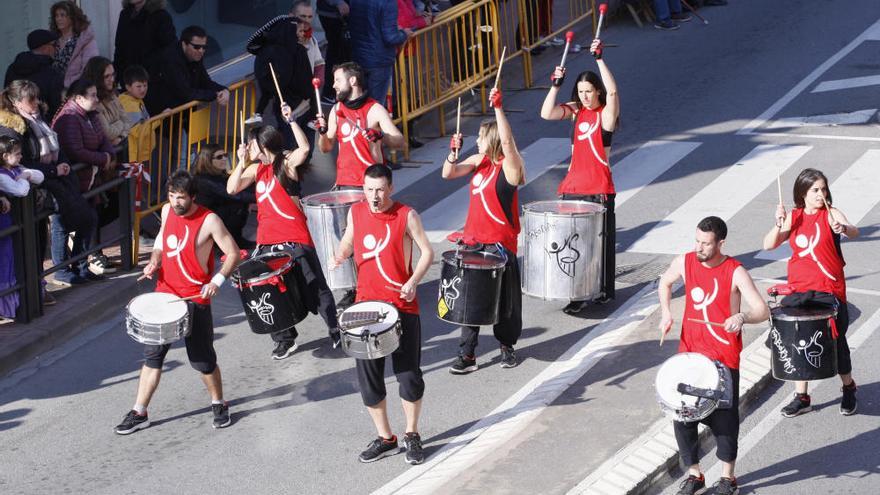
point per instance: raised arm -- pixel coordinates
(549, 109)
(612, 100)
(513, 161)
(780, 231)
(298, 156)
(840, 225)
(243, 175)
(327, 139)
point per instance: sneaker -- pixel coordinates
(556, 41)
(602, 300)
(799, 405)
(378, 449)
(849, 404)
(508, 357)
(90, 276)
(100, 265)
(575, 48)
(666, 25)
(132, 422)
(464, 365)
(726, 486)
(693, 485)
(335, 338)
(412, 443)
(67, 279)
(145, 242)
(574, 307)
(221, 415)
(48, 298)
(284, 349)
(255, 119)
(681, 17)
(347, 300)
(414, 143)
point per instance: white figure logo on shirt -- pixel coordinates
(349, 133)
(586, 131)
(480, 183)
(374, 250)
(702, 301)
(265, 193)
(176, 246)
(808, 245)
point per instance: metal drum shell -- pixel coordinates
(287, 308)
(478, 293)
(327, 216)
(156, 333)
(372, 345)
(792, 329)
(551, 238)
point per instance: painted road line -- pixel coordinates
(872, 33)
(862, 175)
(723, 197)
(849, 83)
(448, 215)
(521, 408)
(828, 120)
(645, 164)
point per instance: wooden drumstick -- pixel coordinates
(458, 125)
(142, 277)
(662, 336)
(184, 299)
(714, 324)
(500, 65)
(779, 188)
(241, 125)
(395, 289)
(277, 87)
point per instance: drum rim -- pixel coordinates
(502, 263)
(246, 283)
(310, 202)
(529, 207)
(129, 314)
(779, 309)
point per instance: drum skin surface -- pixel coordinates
(692, 369)
(269, 292)
(562, 250)
(801, 344)
(470, 287)
(153, 318)
(377, 338)
(327, 216)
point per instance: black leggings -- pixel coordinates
(199, 343)
(405, 361)
(509, 326)
(609, 237)
(844, 361)
(724, 424)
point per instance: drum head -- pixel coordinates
(155, 309)
(262, 267)
(564, 207)
(333, 198)
(690, 368)
(388, 321)
(801, 313)
(479, 260)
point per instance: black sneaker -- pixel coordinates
(508, 357)
(799, 405)
(681, 17)
(849, 404)
(132, 422)
(412, 443)
(378, 449)
(335, 338)
(574, 307)
(347, 300)
(464, 365)
(92, 276)
(726, 486)
(693, 485)
(284, 349)
(221, 415)
(666, 25)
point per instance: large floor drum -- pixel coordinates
(269, 292)
(562, 250)
(801, 343)
(470, 287)
(327, 215)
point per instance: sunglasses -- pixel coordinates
(220, 156)
(197, 47)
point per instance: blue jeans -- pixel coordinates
(378, 80)
(81, 242)
(664, 8)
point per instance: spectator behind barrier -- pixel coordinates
(110, 110)
(333, 15)
(375, 38)
(144, 30)
(140, 142)
(36, 65)
(212, 172)
(76, 42)
(302, 10)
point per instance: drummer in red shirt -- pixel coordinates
(380, 234)
(714, 285)
(188, 233)
(815, 271)
(281, 223)
(492, 220)
(594, 107)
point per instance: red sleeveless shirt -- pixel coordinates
(707, 298)
(589, 172)
(816, 262)
(279, 219)
(355, 153)
(379, 255)
(487, 221)
(181, 273)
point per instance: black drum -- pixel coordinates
(470, 287)
(801, 343)
(269, 292)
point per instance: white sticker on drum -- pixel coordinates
(263, 309)
(812, 350)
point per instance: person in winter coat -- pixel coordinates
(76, 42)
(110, 110)
(144, 30)
(36, 65)
(375, 38)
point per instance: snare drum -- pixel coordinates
(153, 318)
(801, 343)
(562, 250)
(470, 287)
(370, 329)
(691, 386)
(269, 292)
(327, 215)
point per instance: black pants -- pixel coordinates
(609, 238)
(405, 361)
(724, 424)
(199, 343)
(844, 361)
(338, 49)
(509, 326)
(313, 286)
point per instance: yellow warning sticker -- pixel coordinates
(442, 308)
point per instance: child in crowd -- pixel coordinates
(136, 82)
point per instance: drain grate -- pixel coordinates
(639, 273)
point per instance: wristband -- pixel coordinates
(218, 279)
(448, 158)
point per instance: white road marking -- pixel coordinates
(849, 83)
(832, 119)
(645, 164)
(751, 175)
(521, 408)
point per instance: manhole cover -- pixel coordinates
(639, 273)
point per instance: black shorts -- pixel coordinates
(405, 361)
(724, 424)
(199, 343)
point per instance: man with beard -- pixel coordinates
(715, 285)
(183, 220)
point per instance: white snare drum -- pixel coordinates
(691, 386)
(327, 215)
(370, 330)
(151, 319)
(562, 250)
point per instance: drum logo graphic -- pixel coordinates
(566, 254)
(448, 295)
(702, 301)
(781, 352)
(812, 350)
(263, 309)
(808, 245)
